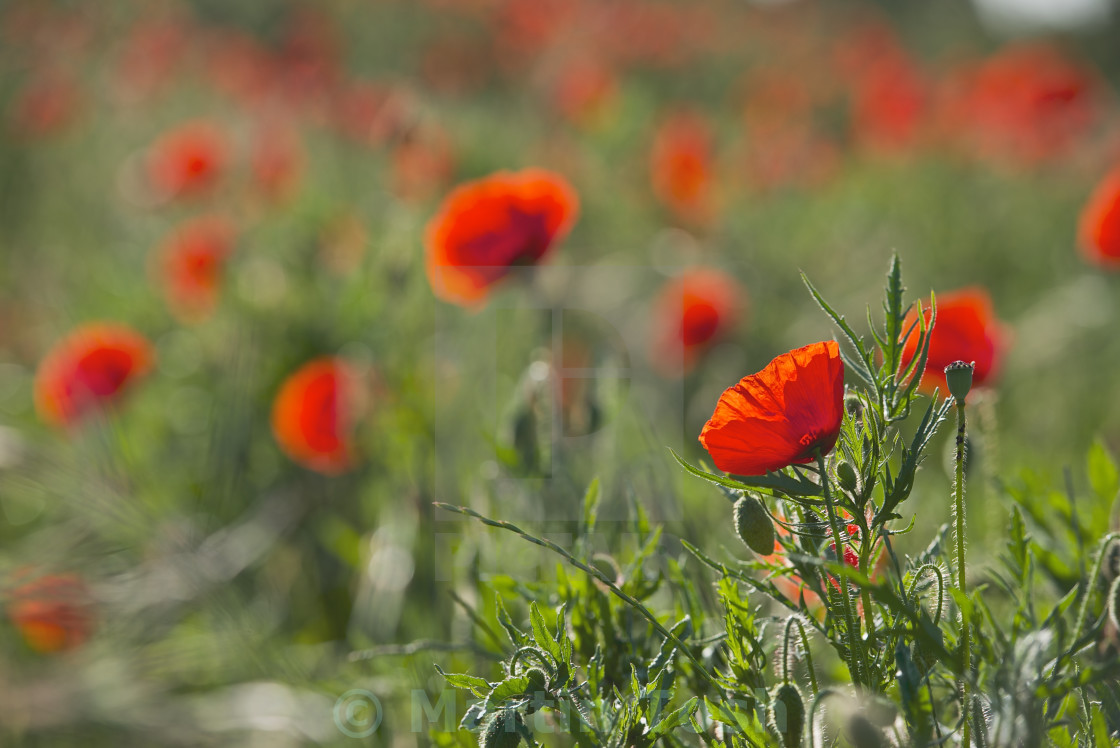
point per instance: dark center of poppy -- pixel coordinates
(699, 324)
(102, 372)
(810, 443)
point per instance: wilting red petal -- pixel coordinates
(53, 613)
(191, 262)
(692, 312)
(966, 330)
(486, 227)
(780, 416)
(681, 166)
(88, 369)
(188, 160)
(1099, 229)
(312, 416)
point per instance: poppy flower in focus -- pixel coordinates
(88, 369)
(781, 416)
(681, 166)
(1099, 228)
(188, 160)
(486, 227)
(966, 330)
(693, 311)
(313, 416)
(191, 263)
(53, 613)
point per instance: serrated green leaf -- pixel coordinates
(541, 634)
(478, 686)
(674, 719)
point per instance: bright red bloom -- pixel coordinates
(781, 416)
(966, 330)
(53, 612)
(681, 166)
(188, 160)
(1099, 228)
(88, 369)
(485, 228)
(313, 415)
(191, 263)
(693, 311)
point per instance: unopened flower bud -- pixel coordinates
(958, 377)
(846, 475)
(787, 714)
(753, 525)
(501, 731)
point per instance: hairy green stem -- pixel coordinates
(851, 628)
(958, 509)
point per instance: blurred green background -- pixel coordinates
(228, 584)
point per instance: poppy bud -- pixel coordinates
(753, 525)
(538, 682)
(787, 714)
(846, 475)
(862, 733)
(958, 378)
(501, 731)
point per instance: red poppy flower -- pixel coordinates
(188, 160)
(486, 227)
(1099, 229)
(191, 265)
(692, 312)
(88, 369)
(681, 166)
(312, 416)
(781, 416)
(966, 330)
(1027, 103)
(53, 613)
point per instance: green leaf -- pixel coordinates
(516, 635)
(773, 481)
(510, 688)
(1103, 475)
(478, 686)
(675, 719)
(541, 633)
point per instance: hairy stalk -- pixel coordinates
(790, 622)
(958, 509)
(868, 612)
(851, 628)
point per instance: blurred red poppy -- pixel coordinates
(188, 160)
(781, 416)
(693, 311)
(1099, 228)
(485, 228)
(423, 162)
(313, 414)
(583, 91)
(681, 166)
(53, 613)
(88, 369)
(191, 262)
(966, 330)
(277, 160)
(1027, 103)
(46, 105)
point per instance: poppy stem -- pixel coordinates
(958, 509)
(851, 629)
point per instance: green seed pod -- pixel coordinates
(861, 733)
(787, 714)
(846, 475)
(958, 378)
(501, 731)
(753, 525)
(1114, 603)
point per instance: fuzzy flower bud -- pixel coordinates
(958, 378)
(753, 525)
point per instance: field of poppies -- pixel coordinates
(558, 372)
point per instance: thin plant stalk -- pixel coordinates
(958, 509)
(852, 631)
